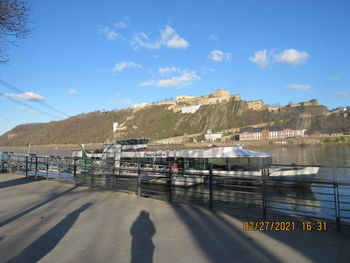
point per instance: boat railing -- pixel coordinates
(128, 165)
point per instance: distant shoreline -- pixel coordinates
(288, 142)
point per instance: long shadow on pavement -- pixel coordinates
(219, 243)
(14, 182)
(44, 244)
(222, 241)
(7, 221)
(142, 231)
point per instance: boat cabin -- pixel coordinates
(220, 158)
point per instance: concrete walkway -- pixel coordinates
(48, 221)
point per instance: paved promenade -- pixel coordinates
(46, 221)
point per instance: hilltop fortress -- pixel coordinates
(190, 104)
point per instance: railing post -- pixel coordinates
(336, 198)
(26, 166)
(211, 186)
(1, 165)
(74, 167)
(58, 168)
(30, 163)
(18, 164)
(113, 174)
(170, 182)
(117, 173)
(47, 168)
(36, 167)
(113, 167)
(263, 193)
(10, 165)
(91, 179)
(138, 179)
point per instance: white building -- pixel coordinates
(249, 136)
(115, 126)
(190, 109)
(212, 136)
(273, 134)
(183, 97)
(140, 105)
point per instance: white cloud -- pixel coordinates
(260, 58)
(148, 83)
(31, 96)
(184, 80)
(110, 34)
(72, 91)
(170, 70)
(343, 94)
(29, 110)
(119, 67)
(292, 57)
(124, 23)
(171, 39)
(214, 37)
(219, 56)
(5, 118)
(335, 78)
(120, 24)
(168, 38)
(122, 101)
(299, 86)
(125, 101)
(206, 70)
(141, 40)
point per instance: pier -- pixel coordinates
(49, 221)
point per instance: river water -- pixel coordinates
(311, 154)
(64, 153)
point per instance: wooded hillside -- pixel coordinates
(158, 122)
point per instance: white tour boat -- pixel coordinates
(191, 166)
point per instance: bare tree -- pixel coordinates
(14, 19)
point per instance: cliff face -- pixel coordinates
(160, 121)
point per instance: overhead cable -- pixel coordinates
(31, 107)
(12, 87)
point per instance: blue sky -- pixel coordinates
(84, 56)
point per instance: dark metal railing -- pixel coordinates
(327, 197)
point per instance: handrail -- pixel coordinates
(217, 189)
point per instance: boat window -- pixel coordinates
(132, 141)
(218, 163)
(238, 163)
(255, 162)
(143, 141)
(217, 160)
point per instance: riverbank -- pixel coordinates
(51, 147)
(287, 142)
(48, 221)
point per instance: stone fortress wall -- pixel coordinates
(190, 104)
(256, 105)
